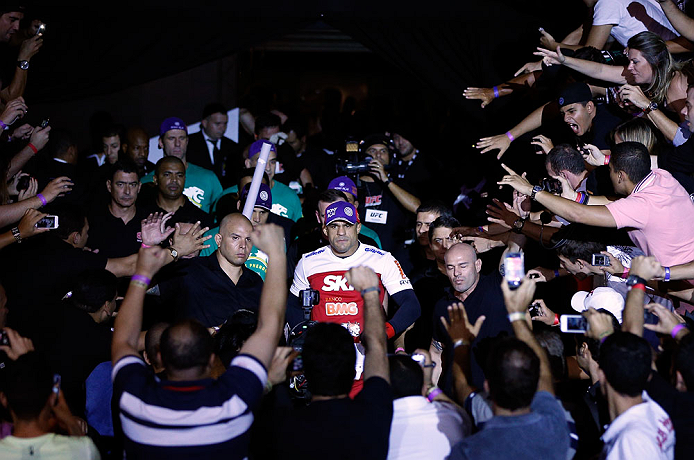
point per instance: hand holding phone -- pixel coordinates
(573, 324)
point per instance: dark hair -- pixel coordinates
(513, 370)
(71, 217)
(633, 159)
(153, 340)
(186, 344)
(266, 120)
(575, 249)
(161, 161)
(406, 376)
(435, 206)
(442, 221)
(211, 109)
(626, 361)
(59, 142)
(329, 358)
(124, 165)
(248, 172)
(564, 157)
(28, 383)
(551, 342)
(233, 334)
(114, 130)
(93, 289)
(298, 124)
(684, 360)
(331, 195)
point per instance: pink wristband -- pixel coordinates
(607, 159)
(146, 245)
(42, 198)
(510, 136)
(625, 274)
(677, 329)
(142, 278)
(400, 349)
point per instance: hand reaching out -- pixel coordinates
(499, 142)
(551, 57)
(458, 326)
(486, 95)
(529, 67)
(154, 230)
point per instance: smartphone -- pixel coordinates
(514, 269)
(575, 324)
(56, 387)
(23, 183)
(44, 122)
(418, 357)
(600, 260)
(48, 222)
(41, 29)
(534, 310)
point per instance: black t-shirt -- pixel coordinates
(338, 428)
(428, 289)
(488, 300)
(111, 236)
(38, 274)
(204, 292)
(680, 407)
(392, 226)
(188, 213)
(607, 117)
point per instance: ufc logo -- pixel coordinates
(335, 283)
(341, 308)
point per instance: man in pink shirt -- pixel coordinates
(657, 210)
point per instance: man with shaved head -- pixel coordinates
(210, 289)
(136, 146)
(481, 295)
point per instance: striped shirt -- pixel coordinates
(193, 419)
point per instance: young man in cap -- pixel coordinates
(202, 186)
(324, 271)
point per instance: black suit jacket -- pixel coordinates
(228, 162)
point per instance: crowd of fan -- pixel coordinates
(362, 313)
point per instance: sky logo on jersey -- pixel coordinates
(335, 283)
(341, 308)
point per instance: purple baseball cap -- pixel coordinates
(172, 123)
(343, 184)
(264, 199)
(256, 146)
(341, 210)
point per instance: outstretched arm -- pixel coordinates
(614, 74)
(680, 21)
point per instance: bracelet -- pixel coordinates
(510, 136)
(480, 229)
(496, 92)
(146, 245)
(625, 274)
(460, 343)
(15, 233)
(370, 289)
(604, 337)
(433, 392)
(639, 286)
(33, 147)
(579, 197)
(399, 349)
(4, 126)
(516, 316)
(556, 273)
(138, 284)
(141, 278)
(556, 320)
(607, 159)
(675, 330)
(667, 274)
(42, 198)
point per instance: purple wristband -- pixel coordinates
(43, 199)
(496, 92)
(434, 393)
(4, 126)
(556, 273)
(510, 136)
(667, 274)
(677, 329)
(142, 278)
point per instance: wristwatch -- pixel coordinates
(537, 188)
(24, 65)
(634, 279)
(518, 225)
(650, 108)
(174, 253)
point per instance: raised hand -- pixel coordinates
(500, 142)
(544, 142)
(191, 241)
(458, 326)
(57, 187)
(154, 230)
(550, 57)
(529, 67)
(486, 95)
(519, 183)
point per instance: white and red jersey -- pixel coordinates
(339, 302)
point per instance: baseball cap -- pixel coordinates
(343, 184)
(341, 210)
(373, 139)
(256, 146)
(575, 92)
(602, 297)
(264, 198)
(172, 123)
